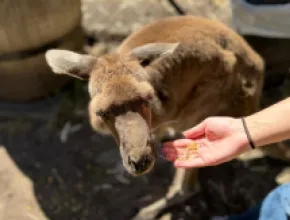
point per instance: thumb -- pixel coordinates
(196, 131)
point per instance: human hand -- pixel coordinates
(219, 139)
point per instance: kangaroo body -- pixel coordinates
(214, 73)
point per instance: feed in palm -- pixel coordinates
(189, 152)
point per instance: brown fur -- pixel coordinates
(209, 71)
(213, 64)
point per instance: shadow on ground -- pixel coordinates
(69, 164)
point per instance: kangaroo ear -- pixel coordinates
(70, 63)
(151, 51)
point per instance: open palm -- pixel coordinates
(219, 139)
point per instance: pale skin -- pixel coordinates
(221, 139)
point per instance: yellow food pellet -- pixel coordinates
(190, 151)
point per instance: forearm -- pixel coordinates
(270, 125)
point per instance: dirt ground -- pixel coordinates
(73, 178)
(72, 168)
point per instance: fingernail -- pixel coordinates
(162, 154)
(160, 151)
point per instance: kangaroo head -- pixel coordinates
(121, 97)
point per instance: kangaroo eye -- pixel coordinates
(103, 114)
(145, 62)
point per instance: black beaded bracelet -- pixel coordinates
(248, 134)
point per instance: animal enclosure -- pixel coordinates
(76, 173)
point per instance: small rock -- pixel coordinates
(67, 129)
(188, 209)
(106, 186)
(102, 187)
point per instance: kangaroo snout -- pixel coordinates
(140, 165)
(139, 160)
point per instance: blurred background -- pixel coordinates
(53, 166)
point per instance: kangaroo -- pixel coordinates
(181, 69)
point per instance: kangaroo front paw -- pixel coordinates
(171, 135)
(175, 196)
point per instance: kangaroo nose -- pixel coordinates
(140, 165)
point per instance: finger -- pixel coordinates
(180, 143)
(170, 156)
(192, 163)
(168, 150)
(195, 132)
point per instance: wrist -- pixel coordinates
(240, 135)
